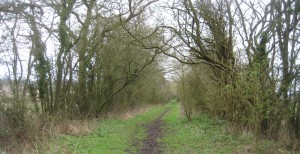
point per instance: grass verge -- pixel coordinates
(204, 135)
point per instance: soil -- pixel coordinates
(154, 131)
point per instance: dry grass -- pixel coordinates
(56, 125)
(39, 131)
(78, 127)
(127, 114)
(136, 111)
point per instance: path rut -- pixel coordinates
(154, 131)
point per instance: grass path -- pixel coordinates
(113, 136)
(177, 136)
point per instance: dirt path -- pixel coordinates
(154, 131)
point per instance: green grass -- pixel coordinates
(201, 135)
(204, 135)
(112, 136)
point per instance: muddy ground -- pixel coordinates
(154, 131)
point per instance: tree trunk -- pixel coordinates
(66, 8)
(297, 123)
(84, 60)
(42, 66)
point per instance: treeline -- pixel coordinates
(78, 59)
(239, 62)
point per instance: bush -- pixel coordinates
(247, 101)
